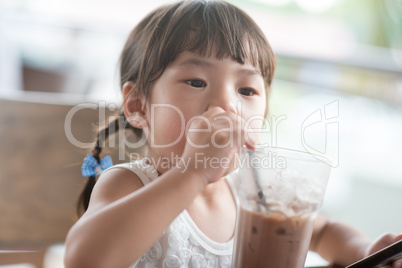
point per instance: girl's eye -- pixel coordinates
(247, 91)
(196, 83)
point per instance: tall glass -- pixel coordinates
(279, 192)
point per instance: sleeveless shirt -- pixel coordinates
(182, 244)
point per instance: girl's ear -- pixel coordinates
(134, 106)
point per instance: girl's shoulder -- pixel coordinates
(120, 180)
(143, 168)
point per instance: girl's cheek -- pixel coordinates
(256, 126)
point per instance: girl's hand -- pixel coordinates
(212, 142)
(384, 241)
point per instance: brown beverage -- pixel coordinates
(272, 241)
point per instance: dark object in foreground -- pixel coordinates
(380, 258)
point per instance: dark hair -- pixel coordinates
(200, 26)
(114, 126)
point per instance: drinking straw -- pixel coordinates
(256, 177)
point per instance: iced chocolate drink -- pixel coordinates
(272, 241)
(278, 193)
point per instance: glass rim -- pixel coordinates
(318, 158)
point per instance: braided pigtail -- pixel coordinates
(102, 136)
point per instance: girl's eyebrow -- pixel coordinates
(204, 63)
(249, 71)
(195, 62)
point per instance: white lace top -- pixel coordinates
(182, 244)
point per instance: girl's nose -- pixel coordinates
(224, 100)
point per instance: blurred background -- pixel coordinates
(337, 92)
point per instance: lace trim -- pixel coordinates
(206, 242)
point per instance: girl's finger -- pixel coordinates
(397, 264)
(398, 237)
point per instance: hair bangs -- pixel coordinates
(209, 28)
(216, 28)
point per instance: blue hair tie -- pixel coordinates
(91, 167)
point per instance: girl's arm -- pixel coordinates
(337, 242)
(342, 244)
(123, 221)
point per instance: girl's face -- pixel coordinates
(190, 86)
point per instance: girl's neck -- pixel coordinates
(214, 211)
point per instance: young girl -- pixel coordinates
(192, 74)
